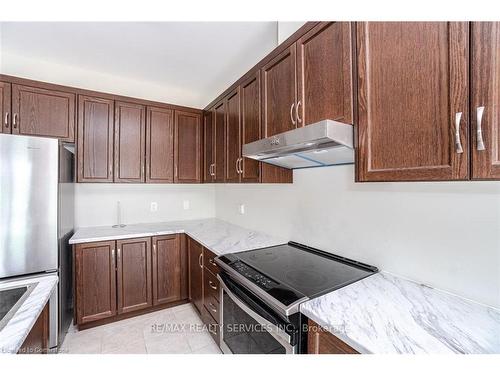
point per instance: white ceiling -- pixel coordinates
(203, 58)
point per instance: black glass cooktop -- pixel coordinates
(290, 272)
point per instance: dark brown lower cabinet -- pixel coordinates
(169, 269)
(211, 304)
(37, 341)
(320, 341)
(118, 279)
(195, 274)
(95, 281)
(134, 278)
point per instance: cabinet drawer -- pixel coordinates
(209, 261)
(212, 325)
(211, 285)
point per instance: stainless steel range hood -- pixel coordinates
(321, 144)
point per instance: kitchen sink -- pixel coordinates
(11, 299)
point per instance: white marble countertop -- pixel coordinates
(18, 327)
(387, 314)
(216, 235)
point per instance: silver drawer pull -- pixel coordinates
(479, 119)
(212, 285)
(458, 143)
(212, 261)
(299, 120)
(14, 121)
(212, 307)
(291, 113)
(200, 261)
(6, 121)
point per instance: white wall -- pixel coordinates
(95, 204)
(443, 234)
(285, 29)
(69, 75)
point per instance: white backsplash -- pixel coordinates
(95, 204)
(446, 234)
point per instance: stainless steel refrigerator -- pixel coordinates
(37, 217)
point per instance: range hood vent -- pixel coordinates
(321, 144)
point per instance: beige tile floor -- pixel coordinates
(177, 330)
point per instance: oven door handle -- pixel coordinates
(281, 336)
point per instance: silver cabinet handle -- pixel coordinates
(291, 113)
(154, 248)
(210, 170)
(299, 120)
(238, 166)
(200, 262)
(6, 120)
(241, 165)
(479, 119)
(212, 285)
(212, 261)
(215, 170)
(110, 169)
(118, 254)
(212, 307)
(14, 121)
(458, 143)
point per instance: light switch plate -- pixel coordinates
(186, 205)
(154, 206)
(241, 209)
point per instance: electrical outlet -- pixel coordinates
(241, 209)
(154, 206)
(186, 205)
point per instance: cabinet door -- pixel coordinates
(413, 101)
(320, 341)
(37, 341)
(485, 101)
(160, 145)
(134, 274)
(5, 93)
(187, 159)
(208, 145)
(250, 125)
(279, 88)
(42, 112)
(95, 139)
(233, 146)
(195, 274)
(130, 136)
(324, 74)
(169, 269)
(220, 141)
(95, 279)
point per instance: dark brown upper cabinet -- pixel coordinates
(5, 94)
(279, 93)
(195, 273)
(169, 269)
(95, 139)
(219, 142)
(250, 125)
(208, 146)
(324, 74)
(159, 145)
(42, 112)
(95, 281)
(133, 272)
(233, 140)
(485, 100)
(130, 136)
(188, 147)
(412, 101)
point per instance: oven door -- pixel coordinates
(248, 326)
